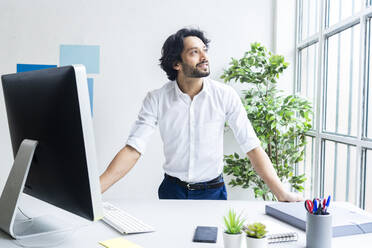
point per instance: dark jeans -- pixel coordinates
(171, 190)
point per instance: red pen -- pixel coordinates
(309, 206)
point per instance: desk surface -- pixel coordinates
(174, 221)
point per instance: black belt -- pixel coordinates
(212, 184)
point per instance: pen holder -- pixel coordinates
(318, 230)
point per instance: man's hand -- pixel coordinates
(290, 197)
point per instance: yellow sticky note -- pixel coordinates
(119, 243)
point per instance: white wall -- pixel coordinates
(285, 40)
(130, 35)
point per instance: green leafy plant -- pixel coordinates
(279, 121)
(233, 223)
(256, 230)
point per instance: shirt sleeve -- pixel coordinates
(145, 124)
(238, 121)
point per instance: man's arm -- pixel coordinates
(119, 167)
(264, 168)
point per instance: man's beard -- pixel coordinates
(195, 72)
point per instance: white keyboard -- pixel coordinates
(122, 221)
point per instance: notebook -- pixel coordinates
(277, 233)
(345, 221)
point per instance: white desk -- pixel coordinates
(175, 222)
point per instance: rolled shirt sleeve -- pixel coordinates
(240, 124)
(145, 124)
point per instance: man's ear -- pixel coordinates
(177, 65)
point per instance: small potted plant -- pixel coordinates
(232, 236)
(256, 235)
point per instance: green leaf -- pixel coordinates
(236, 155)
(233, 223)
(280, 121)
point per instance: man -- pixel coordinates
(190, 111)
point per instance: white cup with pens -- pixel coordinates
(318, 223)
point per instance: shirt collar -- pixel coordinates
(205, 89)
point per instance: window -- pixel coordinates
(368, 180)
(309, 24)
(340, 171)
(368, 126)
(341, 9)
(342, 74)
(334, 71)
(306, 167)
(307, 78)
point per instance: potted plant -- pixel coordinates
(279, 121)
(256, 235)
(232, 236)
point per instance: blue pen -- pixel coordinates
(315, 208)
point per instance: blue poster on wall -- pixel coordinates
(32, 67)
(80, 54)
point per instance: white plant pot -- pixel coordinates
(256, 243)
(232, 240)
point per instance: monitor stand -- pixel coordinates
(21, 228)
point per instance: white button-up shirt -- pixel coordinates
(192, 130)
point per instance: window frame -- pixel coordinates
(361, 141)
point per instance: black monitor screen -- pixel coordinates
(44, 106)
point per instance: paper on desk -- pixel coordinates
(119, 243)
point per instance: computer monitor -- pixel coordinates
(53, 144)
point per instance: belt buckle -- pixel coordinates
(188, 187)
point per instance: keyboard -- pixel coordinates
(122, 221)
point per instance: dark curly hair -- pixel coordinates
(173, 47)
